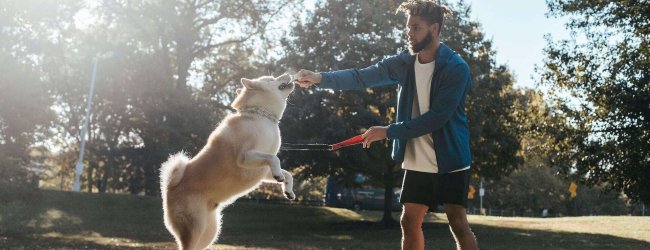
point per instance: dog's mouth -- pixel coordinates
(287, 85)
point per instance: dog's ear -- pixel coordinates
(248, 83)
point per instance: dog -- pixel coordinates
(240, 154)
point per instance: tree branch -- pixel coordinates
(259, 30)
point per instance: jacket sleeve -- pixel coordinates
(445, 102)
(386, 72)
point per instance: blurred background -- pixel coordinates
(106, 90)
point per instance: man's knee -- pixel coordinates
(411, 221)
(410, 224)
(459, 226)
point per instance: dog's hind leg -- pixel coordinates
(287, 185)
(255, 159)
(212, 229)
(191, 226)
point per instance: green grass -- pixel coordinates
(63, 220)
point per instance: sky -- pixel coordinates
(517, 29)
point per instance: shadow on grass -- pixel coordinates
(60, 220)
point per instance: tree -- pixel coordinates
(340, 35)
(495, 129)
(348, 34)
(147, 51)
(599, 83)
(176, 35)
(534, 187)
(24, 116)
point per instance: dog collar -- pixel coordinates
(262, 112)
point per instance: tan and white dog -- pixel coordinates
(239, 154)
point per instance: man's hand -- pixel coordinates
(306, 78)
(373, 134)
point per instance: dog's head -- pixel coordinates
(266, 92)
(281, 85)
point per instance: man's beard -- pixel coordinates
(417, 47)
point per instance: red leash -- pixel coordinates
(328, 147)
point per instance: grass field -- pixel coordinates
(63, 220)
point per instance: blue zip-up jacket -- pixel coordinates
(446, 118)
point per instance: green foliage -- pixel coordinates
(534, 187)
(24, 99)
(341, 35)
(338, 37)
(355, 34)
(144, 104)
(599, 83)
(495, 130)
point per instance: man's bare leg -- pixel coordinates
(411, 222)
(459, 227)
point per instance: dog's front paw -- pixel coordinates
(290, 195)
(279, 178)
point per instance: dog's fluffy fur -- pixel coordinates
(240, 153)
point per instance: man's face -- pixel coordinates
(420, 33)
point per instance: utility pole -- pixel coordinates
(76, 187)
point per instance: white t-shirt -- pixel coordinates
(420, 154)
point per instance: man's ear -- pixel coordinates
(435, 28)
(248, 83)
(238, 91)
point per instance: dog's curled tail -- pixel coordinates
(172, 171)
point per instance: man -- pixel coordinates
(430, 135)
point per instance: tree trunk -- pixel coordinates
(104, 180)
(89, 174)
(387, 220)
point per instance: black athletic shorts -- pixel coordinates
(434, 189)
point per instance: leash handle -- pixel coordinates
(349, 142)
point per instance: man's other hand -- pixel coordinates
(373, 134)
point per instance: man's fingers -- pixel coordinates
(304, 84)
(367, 140)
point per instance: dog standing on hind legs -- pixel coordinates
(239, 154)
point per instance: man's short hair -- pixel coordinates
(429, 10)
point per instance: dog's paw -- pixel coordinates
(289, 195)
(279, 178)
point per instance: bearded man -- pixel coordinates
(431, 134)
